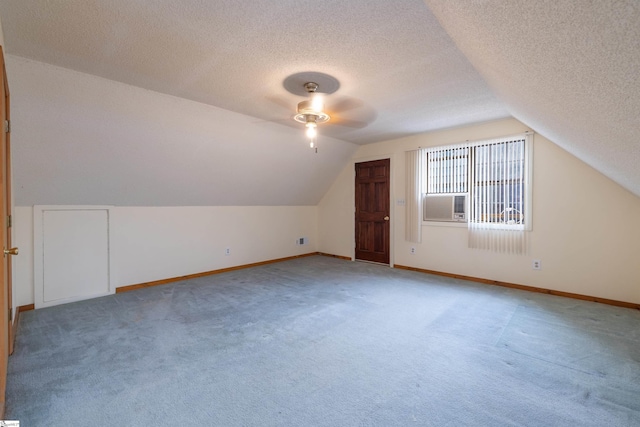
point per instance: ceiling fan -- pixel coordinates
(312, 111)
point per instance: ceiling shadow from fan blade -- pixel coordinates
(282, 102)
(285, 104)
(344, 104)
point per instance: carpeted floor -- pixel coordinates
(319, 341)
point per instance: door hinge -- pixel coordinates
(7, 126)
(8, 221)
(10, 314)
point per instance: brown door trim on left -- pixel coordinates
(5, 269)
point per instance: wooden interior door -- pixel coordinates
(372, 211)
(5, 265)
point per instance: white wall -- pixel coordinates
(1, 33)
(585, 228)
(154, 243)
(22, 280)
(186, 179)
(79, 139)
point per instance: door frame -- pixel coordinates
(6, 302)
(392, 205)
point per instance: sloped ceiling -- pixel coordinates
(398, 70)
(566, 69)
(78, 139)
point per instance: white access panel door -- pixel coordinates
(71, 246)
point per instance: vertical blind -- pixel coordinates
(447, 170)
(414, 161)
(499, 204)
(496, 176)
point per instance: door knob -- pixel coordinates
(386, 218)
(12, 251)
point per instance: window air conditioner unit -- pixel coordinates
(445, 207)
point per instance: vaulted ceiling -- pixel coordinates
(399, 72)
(567, 69)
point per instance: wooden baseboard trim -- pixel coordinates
(14, 331)
(525, 288)
(14, 325)
(128, 288)
(348, 258)
(26, 308)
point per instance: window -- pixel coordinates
(486, 184)
(498, 183)
(492, 173)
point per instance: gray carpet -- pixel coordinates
(324, 342)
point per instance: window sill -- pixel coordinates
(444, 224)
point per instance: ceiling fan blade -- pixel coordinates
(339, 121)
(281, 102)
(287, 122)
(344, 111)
(351, 112)
(344, 104)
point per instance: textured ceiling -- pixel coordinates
(398, 70)
(567, 69)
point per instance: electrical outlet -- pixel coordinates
(227, 251)
(536, 264)
(413, 250)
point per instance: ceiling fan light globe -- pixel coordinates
(312, 132)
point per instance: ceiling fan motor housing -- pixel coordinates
(308, 111)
